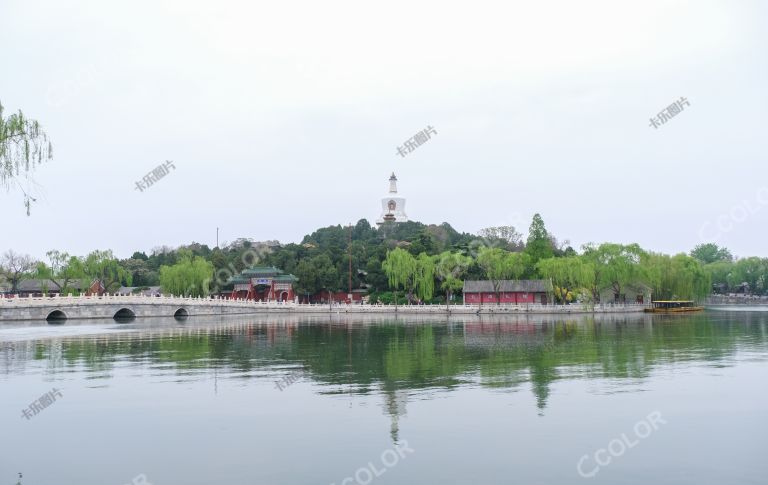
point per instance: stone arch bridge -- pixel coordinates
(58, 308)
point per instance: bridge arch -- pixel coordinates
(124, 315)
(56, 316)
(181, 313)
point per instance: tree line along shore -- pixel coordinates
(401, 262)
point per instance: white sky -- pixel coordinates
(282, 117)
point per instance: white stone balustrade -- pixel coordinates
(108, 306)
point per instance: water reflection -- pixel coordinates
(391, 356)
(397, 364)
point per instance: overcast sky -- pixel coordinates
(282, 117)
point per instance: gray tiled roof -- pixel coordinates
(508, 286)
(37, 285)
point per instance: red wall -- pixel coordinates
(506, 297)
(262, 295)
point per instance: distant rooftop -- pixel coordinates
(508, 286)
(262, 272)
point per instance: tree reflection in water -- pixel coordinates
(397, 356)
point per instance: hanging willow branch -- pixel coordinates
(23, 146)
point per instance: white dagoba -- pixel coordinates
(392, 206)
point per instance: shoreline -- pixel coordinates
(60, 309)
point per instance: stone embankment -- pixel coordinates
(737, 300)
(127, 307)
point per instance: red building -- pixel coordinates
(510, 291)
(263, 283)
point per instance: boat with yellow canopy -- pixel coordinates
(674, 306)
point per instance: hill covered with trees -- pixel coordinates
(423, 261)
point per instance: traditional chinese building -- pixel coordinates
(631, 293)
(263, 283)
(510, 291)
(392, 205)
(36, 288)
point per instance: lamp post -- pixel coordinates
(349, 250)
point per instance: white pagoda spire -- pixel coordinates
(393, 184)
(392, 205)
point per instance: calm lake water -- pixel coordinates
(313, 400)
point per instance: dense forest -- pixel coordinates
(428, 262)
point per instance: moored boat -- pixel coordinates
(674, 306)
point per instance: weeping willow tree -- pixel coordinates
(23, 146)
(191, 276)
(567, 274)
(414, 275)
(424, 281)
(615, 266)
(449, 267)
(678, 277)
(499, 265)
(400, 268)
(104, 267)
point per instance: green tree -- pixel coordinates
(141, 273)
(375, 275)
(539, 244)
(23, 146)
(720, 275)
(315, 274)
(568, 274)
(711, 253)
(328, 275)
(424, 279)
(64, 269)
(499, 265)
(750, 271)
(615, 266)
(57, 260)
(72, 271)
(190, 276)
(400, 267)
(105, 268)
(505, 237)
(449, 267)
(43, 275)
(679, 277)
(307, 275)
